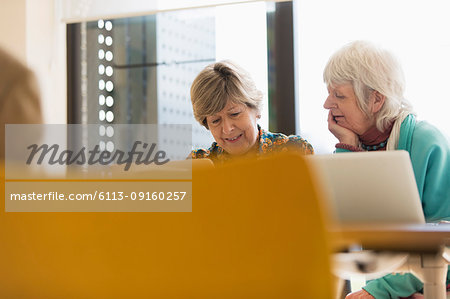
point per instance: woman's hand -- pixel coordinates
(364, 295)
(359, 295)
(344, 135)
(417, 296)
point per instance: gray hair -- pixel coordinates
(368, 68)
(218, 83)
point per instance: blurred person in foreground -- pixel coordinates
(226, 101)
(368, 112)
(19, 96)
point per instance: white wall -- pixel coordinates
(12, 27)
(46, 56)
(32, 32)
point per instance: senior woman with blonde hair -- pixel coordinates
(226, 101)
(368, 112)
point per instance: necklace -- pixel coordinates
(374, 147)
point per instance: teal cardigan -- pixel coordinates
(429, 150)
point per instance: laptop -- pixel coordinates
(370, 187)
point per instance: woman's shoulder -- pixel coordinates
(298, 141)
(424, 127)
(427, 133)
(201, 153)
(269, 139)
(427, 140)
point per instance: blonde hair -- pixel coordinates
(368, 68)
(219, 83)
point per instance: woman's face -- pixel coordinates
(234, 128)
(342, 103)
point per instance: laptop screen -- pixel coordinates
(370, 187)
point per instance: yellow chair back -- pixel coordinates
(256, 230)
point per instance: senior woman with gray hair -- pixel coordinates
(226, 101)
(368, 112)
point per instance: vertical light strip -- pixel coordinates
(105, 84)
(144, 71)
(84, 86)
(84, 78)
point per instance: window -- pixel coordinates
(140, 69)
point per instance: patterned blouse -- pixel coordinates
(268, 143)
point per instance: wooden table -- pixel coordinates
(411, 238)
(425, 244)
